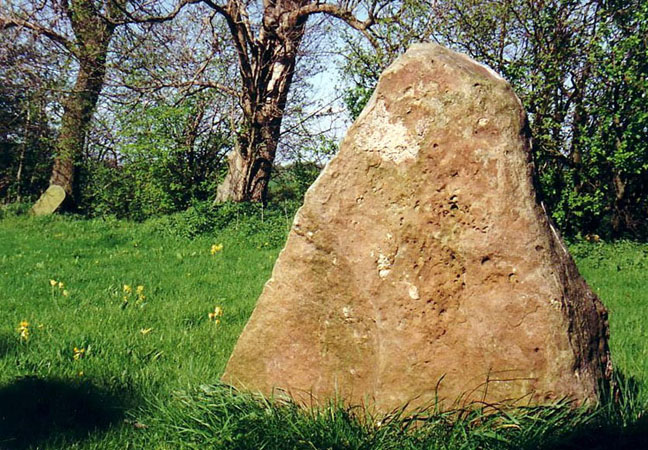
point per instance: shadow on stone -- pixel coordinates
(34, 410)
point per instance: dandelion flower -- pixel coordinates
(216, 248)
(128, 289)
(53, 283)
(61, 285)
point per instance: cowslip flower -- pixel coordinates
(78, 353)
(140, 294)
(215, 316)
(23, 330)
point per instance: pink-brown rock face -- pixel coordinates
(421, 264)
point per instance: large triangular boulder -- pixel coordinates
(421, 266)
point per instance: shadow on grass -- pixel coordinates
(620, 424)
(34, 410)
(604, 437)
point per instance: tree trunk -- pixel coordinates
(266, 77)
(250, 165)
(92, 33)
(21, 160)
(77, 115)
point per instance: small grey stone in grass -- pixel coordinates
(50, 201)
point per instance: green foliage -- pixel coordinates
(164, 164)
(616, 165)
(292, 181)
(262, 226)
(14, 210)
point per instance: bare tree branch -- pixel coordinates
(134, 18)
(11, 22)
(339, 12)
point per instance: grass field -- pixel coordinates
(125, 354)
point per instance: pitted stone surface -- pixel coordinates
(421, 264)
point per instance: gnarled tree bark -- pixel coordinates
(267, 65)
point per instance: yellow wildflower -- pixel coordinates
(61, 285)
(79, 353)
(128, 289)
(65, 293)
(216, 248)
(53, 283)
(139, 290)
(81, 373)
(23, 330)
(218, 312)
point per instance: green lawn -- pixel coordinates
(146, 366)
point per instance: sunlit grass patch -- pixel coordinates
(143, 321)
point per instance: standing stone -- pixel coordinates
(421, 265)
(50, 201)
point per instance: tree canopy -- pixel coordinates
(132, 106)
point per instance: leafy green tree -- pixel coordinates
(616, 134)
(82, 30)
